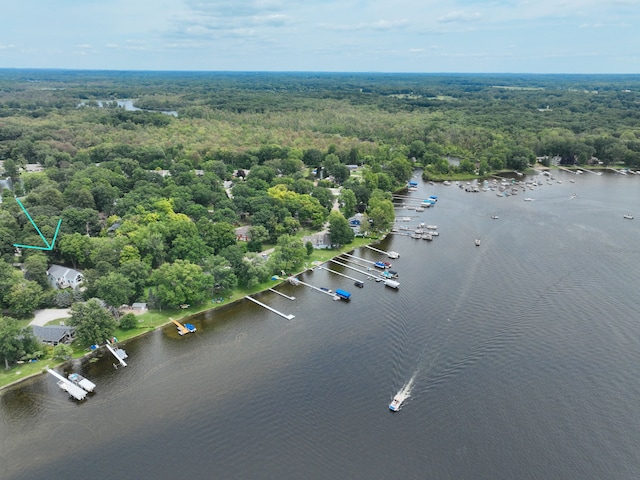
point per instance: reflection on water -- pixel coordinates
(526, 351)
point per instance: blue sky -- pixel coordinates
(536, 36)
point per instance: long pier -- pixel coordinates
(341, 274)
(358, 258)
(369, 274)
(282, 294)
(326, 292)
(284, 315)
(71, 388)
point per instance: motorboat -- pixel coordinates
(477, 242)
(396, 403)
(628, 216)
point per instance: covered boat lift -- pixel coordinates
(71, 388)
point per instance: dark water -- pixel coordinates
(524, 354)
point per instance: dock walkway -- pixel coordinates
(182, 330)
(341, 274)
(284, 315)
(119, 354)
(282, 294)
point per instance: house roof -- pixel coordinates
(52, 333)
(58, 271)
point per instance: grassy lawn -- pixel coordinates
(151, 320)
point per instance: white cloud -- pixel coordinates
(459, 16)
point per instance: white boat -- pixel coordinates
(393, 254)
(396, 403)
(494, 217)
(82, 382)
(528, 199)
(477, 242)
(628, 216)
(432, 227)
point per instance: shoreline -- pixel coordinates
(181, 319)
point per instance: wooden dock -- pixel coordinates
(182, 330)
(284, 315)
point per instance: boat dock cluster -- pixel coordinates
(76, 385)
(380, 271)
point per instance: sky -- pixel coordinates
(475, 36)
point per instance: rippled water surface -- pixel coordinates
(523, 353)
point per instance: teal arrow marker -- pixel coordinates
(49, 246)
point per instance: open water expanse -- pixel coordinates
(524, 354)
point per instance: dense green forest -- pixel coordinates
(150, 199)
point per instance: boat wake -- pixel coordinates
(403, 394)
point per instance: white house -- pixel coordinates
(64, 277)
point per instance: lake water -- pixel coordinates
(523, 352)
(128, 105)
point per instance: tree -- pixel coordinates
(180, 283)
(75, 248)
(62, 351)
(220, 269)
(288, 255)
(339, 229)
(348, 202)
(128, 321)
(93, 323)
(36, 269)
(114, 288)
(23, 298)
(9, 340)
(15, 342)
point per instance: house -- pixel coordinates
(64, 277)
(54, 334)
(139, 307)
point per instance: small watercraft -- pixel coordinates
(477, 242)
(396, 403)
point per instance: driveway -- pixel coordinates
(48, 314)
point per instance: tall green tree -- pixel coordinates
(339, 230)
(180, 283)
(92, 321)
(15, 342)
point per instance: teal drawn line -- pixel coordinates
(49, 246)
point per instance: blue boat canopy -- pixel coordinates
(343, 294)
(413, 184)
